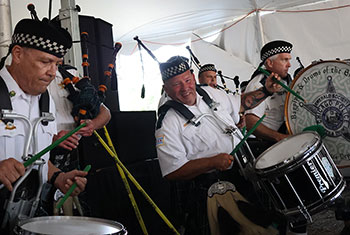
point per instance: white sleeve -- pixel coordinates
(170, 149)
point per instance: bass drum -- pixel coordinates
(325, 86)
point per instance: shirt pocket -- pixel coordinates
(198, 140)
(12, 141)
(44, 135)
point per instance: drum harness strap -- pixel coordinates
(23, 208)
(191, 118)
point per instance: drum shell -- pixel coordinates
(72, 225)
(305, 184)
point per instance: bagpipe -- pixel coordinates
(85, 97)
(224, 87)
(139, 45)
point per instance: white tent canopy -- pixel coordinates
(228, 33)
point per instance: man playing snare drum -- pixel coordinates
(37, 47)
(197, 149)
(275, 57)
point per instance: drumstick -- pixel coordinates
(70, 190)
(282, 84)
(52, 146)
(137, 185)
(247, 135)
(318, 128)
(127, 186)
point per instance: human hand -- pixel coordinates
(271, 85)
(65, 180)
(70, 143)
(222, 161)
(10, 171)
(88, 129)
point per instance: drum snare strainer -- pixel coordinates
(299, 175)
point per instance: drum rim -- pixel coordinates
(298, 158)
(293, 83)
(81, 218)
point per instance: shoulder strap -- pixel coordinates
(44, 105)
(182, 109)
(206, 98)
(5, 101)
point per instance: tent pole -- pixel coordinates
(261, 40)
(70, 20)
(5, 27)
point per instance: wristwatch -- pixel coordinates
(54, 177)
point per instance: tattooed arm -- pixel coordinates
(262, 131)
(252, 99)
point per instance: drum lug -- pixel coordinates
(305, 213)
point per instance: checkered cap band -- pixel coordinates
(275, 47)
(174, 66)
(207, 67)
(42, 35)
(39, 43)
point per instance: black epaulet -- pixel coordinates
(5, 102)
(182, 109)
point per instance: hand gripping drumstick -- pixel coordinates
(282, 84)
(247, 135)
(50, 147)
(70, 190)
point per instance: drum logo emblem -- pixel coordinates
(332, 110)
(322, 184)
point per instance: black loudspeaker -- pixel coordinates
(133, 135)
(100, 50)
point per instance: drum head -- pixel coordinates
(287, 151)
(326, 88)
(70, 225)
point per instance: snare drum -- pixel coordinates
(325, 86)
(299, 175)
(68, 225)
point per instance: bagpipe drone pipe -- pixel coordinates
(85, 97)
(224, 87)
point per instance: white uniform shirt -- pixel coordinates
(12, 141)
(272, 106)
(178, 143)
(64, 119)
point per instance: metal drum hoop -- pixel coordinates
(20, 230)
(292, 162)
